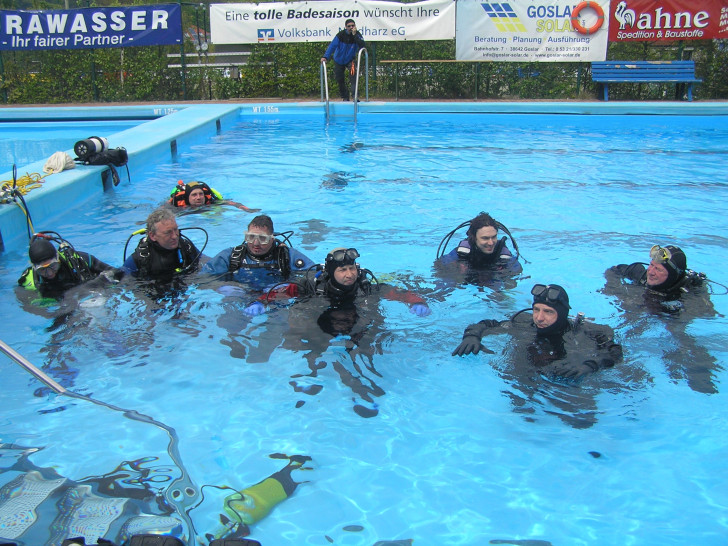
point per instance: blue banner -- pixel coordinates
(90, 28)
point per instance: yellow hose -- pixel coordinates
(24, 184)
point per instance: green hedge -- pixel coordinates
(292, 71)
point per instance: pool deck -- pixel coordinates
(173, 127)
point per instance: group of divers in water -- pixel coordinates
(265, 270)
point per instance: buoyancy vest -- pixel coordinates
(478, 258)
(278, 257)
(152, 260)
(74, 270)
(180, 195)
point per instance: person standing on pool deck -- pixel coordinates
(344, 48)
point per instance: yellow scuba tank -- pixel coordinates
(252, 504)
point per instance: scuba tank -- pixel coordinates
(90, 146)
(252, 504)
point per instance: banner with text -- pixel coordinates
(528, 30)
(319, 21)
(89, 28)
(667, 20)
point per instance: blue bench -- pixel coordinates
(606, 72)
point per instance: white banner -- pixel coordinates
(286, 22)
(528, 30)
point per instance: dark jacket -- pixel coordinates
(344, 47)
(319, 283)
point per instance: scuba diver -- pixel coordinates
(666, 277)
(55, 270)
(482, 249)
(666, 288)
(342, 299)
(481, 258)
(547, 344)
(555, 336)
(164, 252)
(342, 280)
(261, 260)
(195, 194)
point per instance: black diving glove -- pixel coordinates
(469, 344)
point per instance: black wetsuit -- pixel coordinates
(151, 261)
(674, 308)
(85, 268)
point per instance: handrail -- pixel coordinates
(183, 482)
(366, 79)
(15, 356)
(325, 87)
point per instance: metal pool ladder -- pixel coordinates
(325, 83)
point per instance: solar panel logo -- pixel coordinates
(266, 35)
(504, 17)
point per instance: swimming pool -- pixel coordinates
(459, 452)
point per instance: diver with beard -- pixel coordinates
(561, 347)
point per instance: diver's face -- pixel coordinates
(255, 237)
(346, 275)
(656, 274)
(486, 239)
(166, 234)
(197, 198)
(544, 315)
(49, 268)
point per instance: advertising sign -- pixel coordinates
(531, 30)
(667, 20)
(286, 22)
(90, 28)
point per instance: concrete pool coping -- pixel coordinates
(174, 127)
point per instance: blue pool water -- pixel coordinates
(460, 452)
(27, 142)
